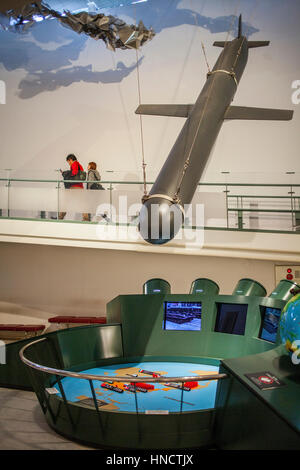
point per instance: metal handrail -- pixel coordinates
(261, 197)
(105, 378)
(258, 209)
(279, 185)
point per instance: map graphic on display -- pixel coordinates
(156, 396)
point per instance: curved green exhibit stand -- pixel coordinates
(137, 331)
(156, 286)
(249, 287)
(135, 429)
(282, 290)
(204, 286)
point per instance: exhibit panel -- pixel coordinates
(161, 360)
(195, 324)
(121, 402)
(258, 407)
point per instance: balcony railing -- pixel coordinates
(227, 205)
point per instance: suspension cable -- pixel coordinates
(205, 57)
(140, 116)
(141, 126)
(187, 161)
(202, 45)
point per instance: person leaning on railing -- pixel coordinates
(74, 172)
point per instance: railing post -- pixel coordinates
(136, 402)
(110, 200)
(8, 191)
(61, 388)
(137, 412)
(291, 192)
(297, 213)
(96, 406)
(181, 398)
(226, 195)
(240, 214)
(58, 188)
(8, 194)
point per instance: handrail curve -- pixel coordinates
(102, 378)
(222, 183)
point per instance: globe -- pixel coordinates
(289, 328)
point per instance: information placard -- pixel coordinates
(265, 380)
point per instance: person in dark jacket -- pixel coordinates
(75, 169)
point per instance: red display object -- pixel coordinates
(191, 384)
(71, 319)
(289, 277)
(26, 328)
(109, 386)
(143, 385)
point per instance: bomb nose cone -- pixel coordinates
(160, 220)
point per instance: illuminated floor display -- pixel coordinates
(118, 396)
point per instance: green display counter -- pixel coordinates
(156, 286)
(142, 319)
(259, 414)
(249, 287)
(200, 328)
(283, 290)
(204, 286)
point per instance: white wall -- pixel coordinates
(52, 280)
(66, 94)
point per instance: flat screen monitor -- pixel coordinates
(231, 318)
(270, 324)
(182, 316)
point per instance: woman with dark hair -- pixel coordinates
(73, 173)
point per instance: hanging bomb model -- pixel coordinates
(162, 213)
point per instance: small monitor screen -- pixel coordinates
(270, 324)
(182, 316)
(231, 318)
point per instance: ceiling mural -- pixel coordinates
(80, 94)
(26, 32)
